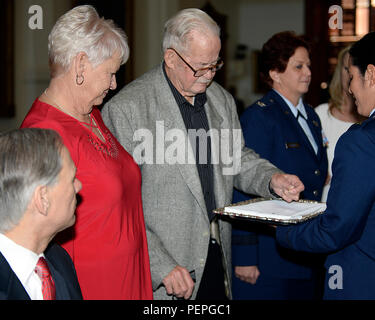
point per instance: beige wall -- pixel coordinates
(249, 22)
(149, 22)
(30, 55)
(255, 28)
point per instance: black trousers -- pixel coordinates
(212, 284)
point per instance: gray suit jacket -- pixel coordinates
(144, 115)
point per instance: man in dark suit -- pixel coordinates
(37, 200)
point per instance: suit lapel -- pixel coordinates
(215, 122)
(62, 275)
(297, 127)
(11, 287)
(61, 291)
(171, 115)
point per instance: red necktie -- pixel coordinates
(48, 286)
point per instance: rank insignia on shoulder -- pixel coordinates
(261, 104)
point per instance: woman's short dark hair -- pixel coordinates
(362, 53)
(277, 51)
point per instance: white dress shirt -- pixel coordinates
(301, 108)
(333, 128)
(23, 263)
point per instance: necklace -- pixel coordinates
(90, 125)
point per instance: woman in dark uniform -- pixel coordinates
(282, 128)
(346, 230)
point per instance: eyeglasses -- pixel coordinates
(203, 71)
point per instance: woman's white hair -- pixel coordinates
(178, 29)
(82, 30)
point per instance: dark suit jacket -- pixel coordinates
(347, 228)
(62, 270)
(271, 130)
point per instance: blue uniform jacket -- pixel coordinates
(271, 130)
(347, 229)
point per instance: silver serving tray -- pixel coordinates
(265, 219)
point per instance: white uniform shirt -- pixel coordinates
(333, 128)
(301, 108)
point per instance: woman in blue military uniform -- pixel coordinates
(346, 231)
(287, 132)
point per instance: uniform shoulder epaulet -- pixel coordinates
(265, 103)
(261, 104)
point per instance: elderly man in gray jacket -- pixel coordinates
(183, 130)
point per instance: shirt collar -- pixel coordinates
(199, 100)
(371, 113)
(294, 109)
(21, 260)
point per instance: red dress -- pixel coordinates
(108, 241)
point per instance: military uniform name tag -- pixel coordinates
(291, 145)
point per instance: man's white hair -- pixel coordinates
(178, 29)
(82, 30)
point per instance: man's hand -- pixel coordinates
(179, 283)
(248, 274)
(287, 186)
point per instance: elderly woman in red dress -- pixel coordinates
(108, 242)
